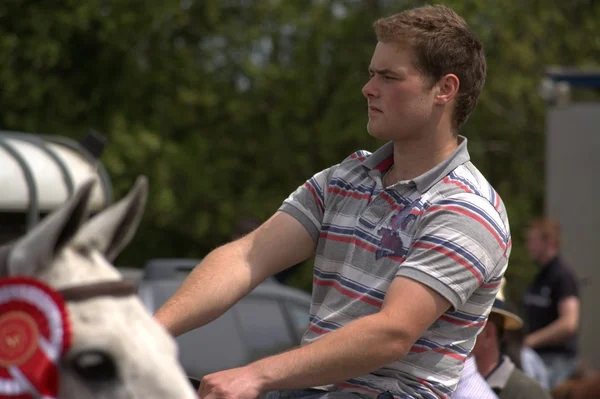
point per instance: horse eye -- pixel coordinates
(94, 366)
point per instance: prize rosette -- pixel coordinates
(34, 334)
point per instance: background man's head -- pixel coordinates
(543, 240)
(489, 341)
(489, 345)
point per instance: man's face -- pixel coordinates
(536, 245)
(485, 341)
(401, 105)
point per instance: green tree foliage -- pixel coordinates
(227, 106)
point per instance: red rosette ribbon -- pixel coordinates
(34, 334)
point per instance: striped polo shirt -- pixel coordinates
(447, 229)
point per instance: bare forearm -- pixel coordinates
(553, 333)
(233, 270)
(220, 280)
(352, 351)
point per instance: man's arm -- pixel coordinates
(468, 249)
(557, 331)
(230, 272)
(354, 350)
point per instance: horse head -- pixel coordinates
(117, 349)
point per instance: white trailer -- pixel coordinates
(573, 188)
(38, 173)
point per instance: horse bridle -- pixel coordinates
(119, 288)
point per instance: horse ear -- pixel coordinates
(112, 229)
(38, 248)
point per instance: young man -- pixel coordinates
(552, 302)
(411, 241)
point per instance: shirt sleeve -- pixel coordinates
(566, 285)
(461, 244)
(307, 203)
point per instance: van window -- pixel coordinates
(216, 346)
(299, 317)
(219, 345)
(265, 328)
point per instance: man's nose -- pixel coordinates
(370, 90)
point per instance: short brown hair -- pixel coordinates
(442, 43)
(549, 228)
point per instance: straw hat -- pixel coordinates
(511, 320)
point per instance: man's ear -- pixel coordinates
(447, 89)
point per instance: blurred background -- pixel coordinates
(228, 106)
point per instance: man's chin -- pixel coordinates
(379, 133)
(389, 134)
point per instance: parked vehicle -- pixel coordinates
(270, 319)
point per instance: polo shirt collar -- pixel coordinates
(500, 375)
(382, 159)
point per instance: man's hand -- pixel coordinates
(238, 383)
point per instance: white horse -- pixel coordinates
(118, 350)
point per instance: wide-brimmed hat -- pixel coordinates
(501, 307)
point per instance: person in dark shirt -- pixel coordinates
(551, 303)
